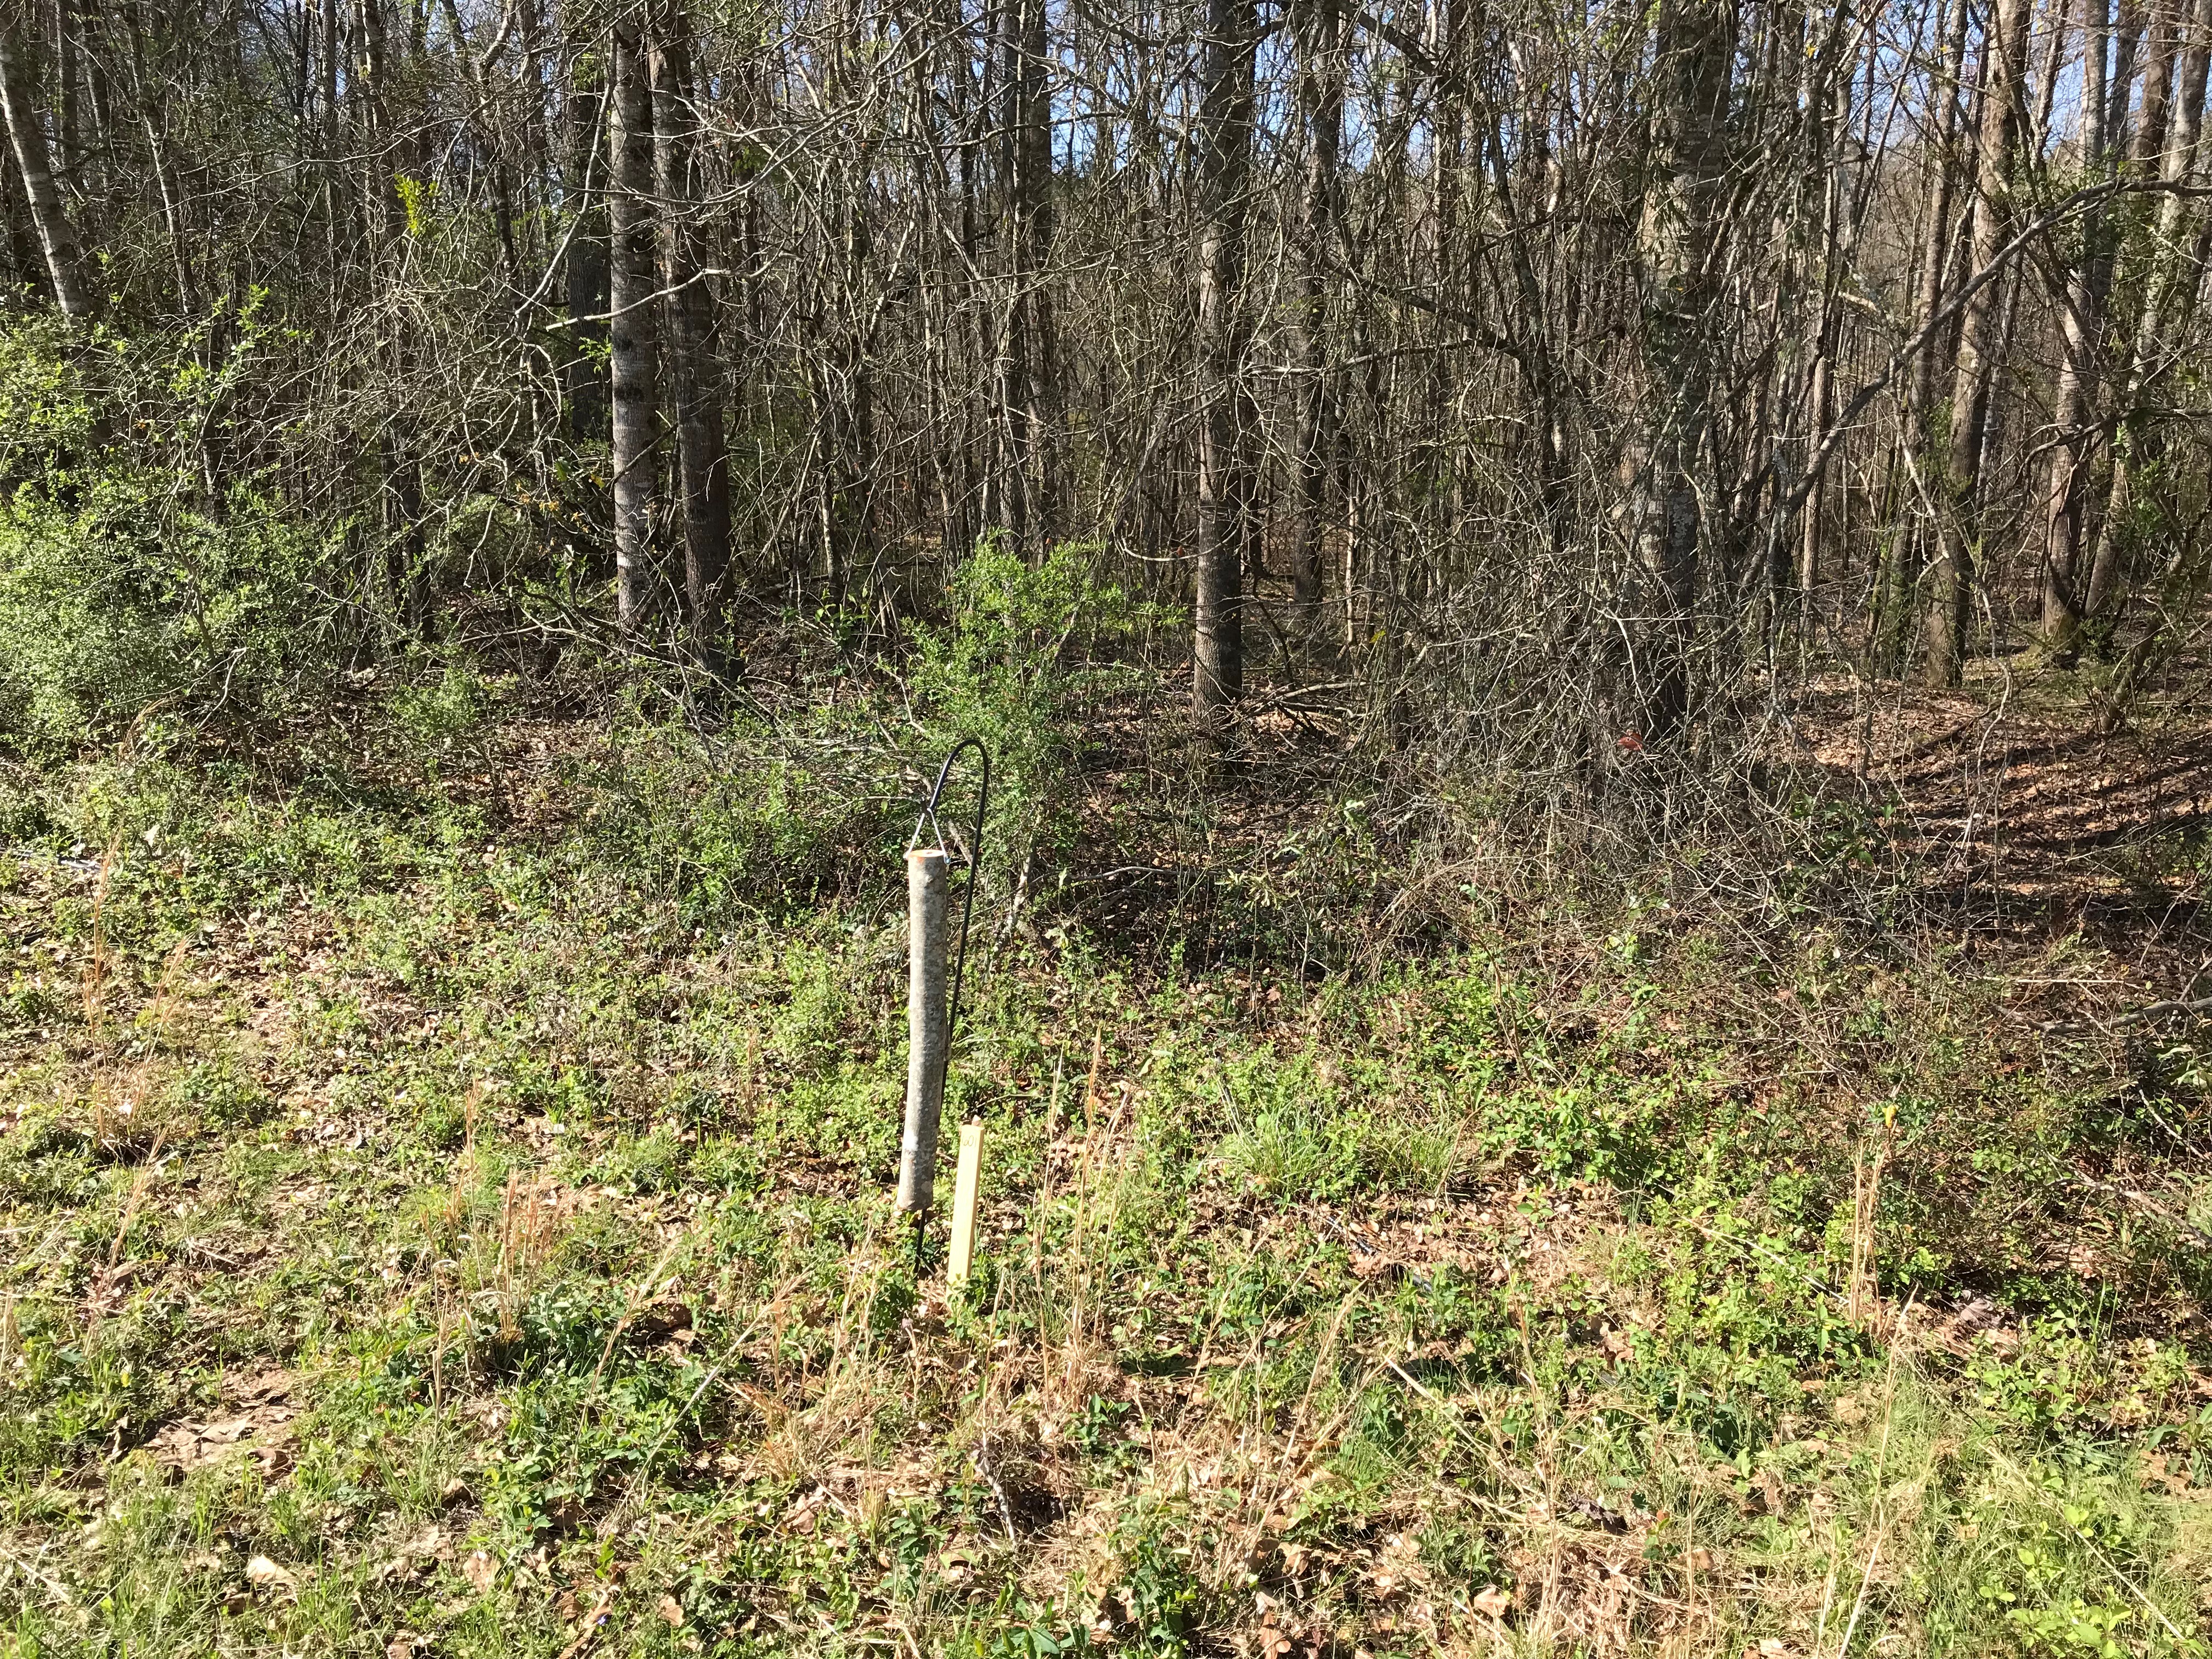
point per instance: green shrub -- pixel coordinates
(728, 827)
(127, 578)
(445, 713)
(1005, 672)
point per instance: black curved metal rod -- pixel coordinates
(975, 861)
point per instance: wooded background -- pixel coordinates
(1563, 384)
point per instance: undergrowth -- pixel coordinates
(445, 1168)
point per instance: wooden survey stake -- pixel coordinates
(964, 1183)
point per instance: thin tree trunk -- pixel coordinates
(68, 137)
(1024, 165)
(1951, 579)
(585, 271)
(327, 165)
(634, 269)
(1904, 558)
(2167, 151)
(49, 218)
(1828, 107)
(694, 378)
(25, 263)
(1224, 141)
(379, 198)
(1321, 106)
(2081, 334)
(1028, 95)
(1696, 43)
(1535, 358)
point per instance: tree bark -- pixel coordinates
(1224, 140)
(2166, 151)
(49, 219)
(2081, 325)
(1952, 577)
(584, 273)
(379, 199)
(1905, 555)
(633, 334)
(332, 46)
(68, 136)
(1827, 103)
(1029, 350)
(695, 376)
(1321, 74)
(1696, 44)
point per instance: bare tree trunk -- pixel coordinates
(1025, 347)
(694, 378)
(1828, 116)
(24, 262)
(2081, 326)
(332, 181)
(379, 200)
(1531, 326)
(2145, 156)
(1903, 558)
(585, 274)
(1224, 140)
(1696, 44)
(1029, 137)
(68, 136)
(2166, 151)
(634, 269)
(1951, 578)
(1321, 108)
(48, 219)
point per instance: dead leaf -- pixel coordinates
(805, 1512)
(261, 1573)
(480, 1571)
(1492, 1601)
(670, 1609)
(592, 1620)
(1598, 1513)
(262, 1432)
(266, 1389)
(2174, 1480)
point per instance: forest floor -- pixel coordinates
(2023, 802)
(436, 1225)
